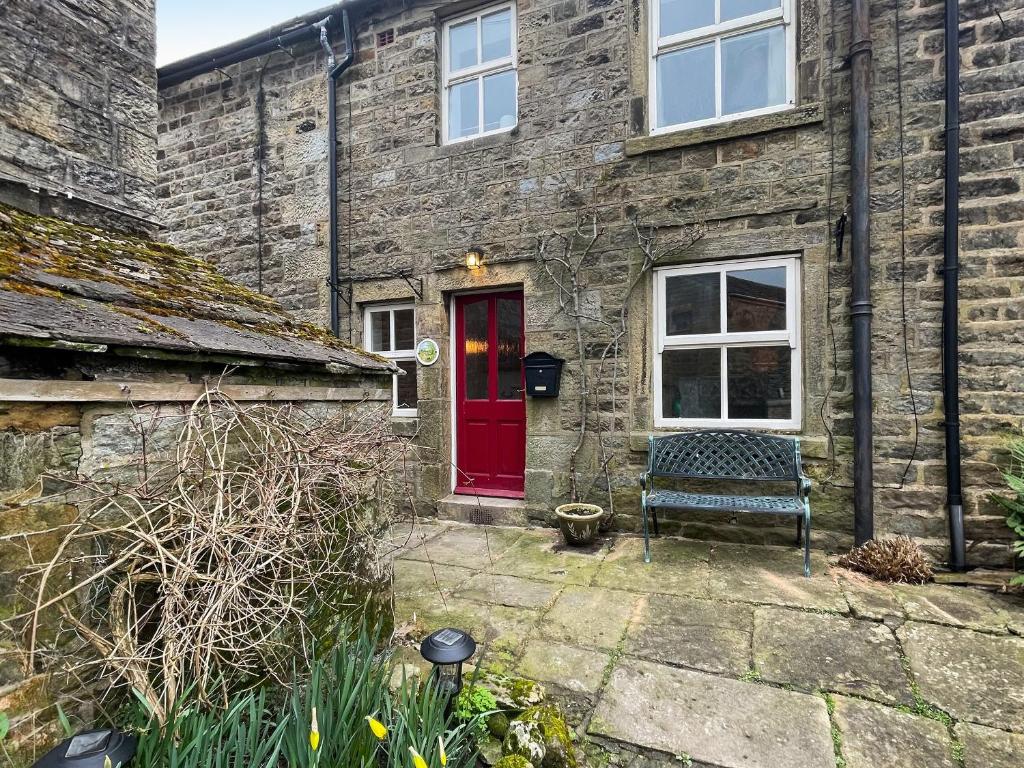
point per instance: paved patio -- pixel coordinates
(724, 655)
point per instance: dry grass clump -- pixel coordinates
(898, 560)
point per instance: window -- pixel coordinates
(390, 331)
(727, 341)
(718, 60)
(480, 80)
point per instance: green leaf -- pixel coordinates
(5, 725)
(65, 724)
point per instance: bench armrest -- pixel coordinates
(644, 477)
(805, 485)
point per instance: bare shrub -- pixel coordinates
(212, 558)
(898, 560)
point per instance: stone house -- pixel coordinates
(102, 327)
(477, 130)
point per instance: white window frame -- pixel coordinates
(478, 71)
(724, 340)
(714, 33)
(396, 355)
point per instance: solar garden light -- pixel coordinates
(91, 749)
(447, 649)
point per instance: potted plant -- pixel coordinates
(579, 522)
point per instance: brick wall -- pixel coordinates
(78, 104)
(771, 185)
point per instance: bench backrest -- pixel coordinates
(725, 454)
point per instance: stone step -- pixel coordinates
(483, 510)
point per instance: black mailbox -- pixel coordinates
(543, 374)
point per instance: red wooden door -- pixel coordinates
(490, 406)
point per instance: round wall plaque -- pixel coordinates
(427, 352)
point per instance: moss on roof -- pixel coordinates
(73, 282)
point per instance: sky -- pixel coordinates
(185, 27)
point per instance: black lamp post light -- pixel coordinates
(447, 649)
(91, 749)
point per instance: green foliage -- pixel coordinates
(474, 700)
(347, 685)
(1014, 477)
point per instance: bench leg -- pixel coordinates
(647, 538)
(799, 530)
(654, 517)
(807, 540)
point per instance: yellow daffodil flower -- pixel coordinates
(417, 759)
(106, 762)
(314, 732)
(378, 728)
(441, 752)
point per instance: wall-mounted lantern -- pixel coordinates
(447, 649)
(474, 257)
(91, 749)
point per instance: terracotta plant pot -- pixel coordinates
(579, 522)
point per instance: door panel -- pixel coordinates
(490, 407)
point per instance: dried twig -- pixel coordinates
(230, 551)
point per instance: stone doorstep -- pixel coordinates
(483, 510)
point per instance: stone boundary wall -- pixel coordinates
(45, 443)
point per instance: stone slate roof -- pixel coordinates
(64, 282)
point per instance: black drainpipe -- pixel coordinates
(860, 298)
(950, 280)
(334, 71)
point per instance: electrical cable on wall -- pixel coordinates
(261, 144)
(903, 244)
(830, 95)
(838, 234)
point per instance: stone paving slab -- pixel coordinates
(874, 736)
(834, 653)
(512, 591)
(714, 720)
(773, 575)
(579, 670)
(677, 567)
(699, 634)
(589, 617)
(408, 535)
(970, 675)
(540, 554)
(474, 547)
(870, 599)
(501, 629)
(419, 577)
(990, 748)
(956, 606)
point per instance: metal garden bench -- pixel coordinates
(724, 454)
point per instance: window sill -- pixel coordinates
(638, 440)
(472, 143)
(749, 126)
(405, 426)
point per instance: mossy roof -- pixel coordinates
(65, 282)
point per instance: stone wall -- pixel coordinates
(243, 174)
(764, 186)
(43, 446)
(78, 105)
